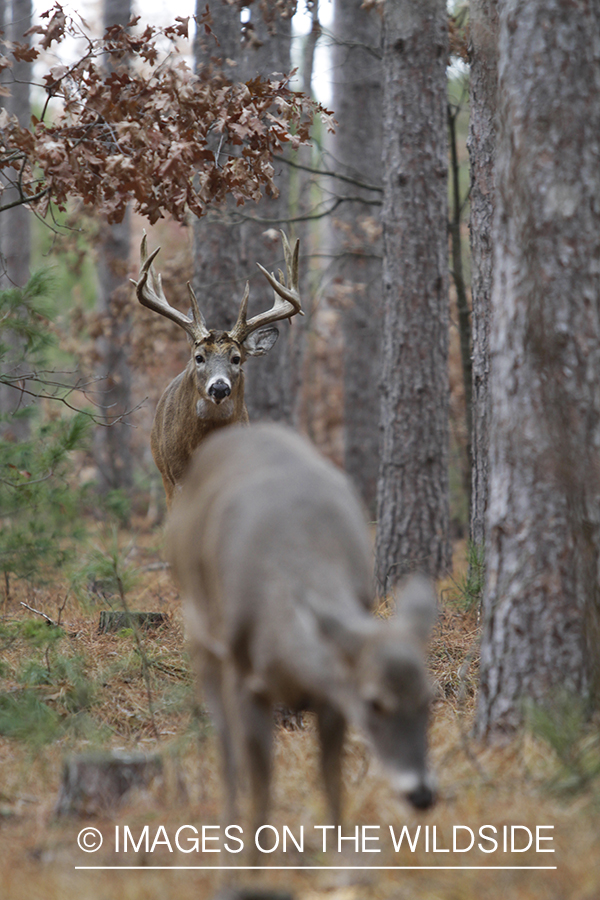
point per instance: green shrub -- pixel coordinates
(102, 572)
(563, 722)
(468, 590)
(40, 502)
(24, 716)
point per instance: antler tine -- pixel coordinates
(199, 320)
(149, 291)
(286, 297)
(291, 260)
(240, 332)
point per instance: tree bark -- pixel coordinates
(218, 279)
(16, 240)
(269, 379)
(541, 606)
(112, 444)
(412, 530)
(481, 144)
(462, 302)
(227, 244)
(301, 193)
(15, 229)
(356, 232)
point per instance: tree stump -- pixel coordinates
(96, 782)
(115, 619)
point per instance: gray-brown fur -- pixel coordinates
(209, 393)
(271, 549)
(186, 413)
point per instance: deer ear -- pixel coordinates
(348, 640)
(260, 342)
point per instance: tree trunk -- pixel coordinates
(482, 148)
(112, 444)
(218, 280)
(356, 232)
(97, 783)
(541, 606)
(412, 530)
(269, 379)
(227, 243)
(15, 239)
(302, 183)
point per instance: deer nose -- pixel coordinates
(422, 797)
(219, 390)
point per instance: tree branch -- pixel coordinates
(24, 200)
(18, 383)
(329, 174)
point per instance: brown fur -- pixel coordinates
(209, 394)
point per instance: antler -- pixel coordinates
(150, 293)
(286, 301)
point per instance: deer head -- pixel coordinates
(217, 357)
(210, 392)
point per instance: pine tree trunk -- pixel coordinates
(542, 607)
(112, 445)
(301, 195)
(412, 530)
(227, 244)
(268, 379)
(219, 279)
(15, 238)
(482, 146)
(356, 232)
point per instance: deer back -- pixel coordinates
(262, 507)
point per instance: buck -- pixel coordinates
(270, 547)
(209, 393)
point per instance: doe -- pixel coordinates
(270, 546)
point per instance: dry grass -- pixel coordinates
(478, 786)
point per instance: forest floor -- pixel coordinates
(83, 690)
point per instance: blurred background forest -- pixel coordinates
(330, 197)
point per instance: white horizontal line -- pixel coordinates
(307, 868)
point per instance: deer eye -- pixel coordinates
(199, 359)
(236, 360)
(377, 707)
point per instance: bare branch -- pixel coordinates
(308, 217)
(43, 615)
(326, 173)
(18, 382)
(24, 199)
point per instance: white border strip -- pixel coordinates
(309, 868)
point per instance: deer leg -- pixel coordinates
(256, 724)
(332, 728)
(213, 677)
